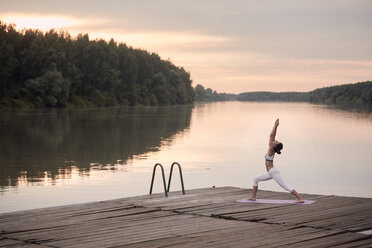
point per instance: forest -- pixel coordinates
(53, 69)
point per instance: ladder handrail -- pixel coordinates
(170, 177)
(153, 176)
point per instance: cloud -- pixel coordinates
(162, 40)
(46, 22)
(105, 28)
(236, 74)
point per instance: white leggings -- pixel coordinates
(273, 173)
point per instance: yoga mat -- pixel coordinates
(274, 201)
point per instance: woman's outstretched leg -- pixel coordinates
(276, 176)
(299, 198)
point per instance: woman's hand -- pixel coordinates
(277, 122)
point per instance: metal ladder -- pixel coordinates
(166, 190)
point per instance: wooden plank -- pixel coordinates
(92, 228)
(8, 242)
(47, 222)
(331, 241)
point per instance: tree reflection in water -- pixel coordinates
(45, 147)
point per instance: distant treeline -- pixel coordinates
(358, 94)
(55, 70)
(266, 96)
(348, 95)
(209, 95)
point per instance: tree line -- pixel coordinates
(266, 96)
(357, 95)
(208, 95)
(347, 95)
(53, 69)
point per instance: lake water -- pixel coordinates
(59, 157)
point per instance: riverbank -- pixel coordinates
(207, 217)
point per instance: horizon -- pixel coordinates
(229, 46)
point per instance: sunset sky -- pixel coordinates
(230, 46)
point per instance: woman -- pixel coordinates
(273, 173)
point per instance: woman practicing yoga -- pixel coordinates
(273, 173)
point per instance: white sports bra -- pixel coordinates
(269, 158)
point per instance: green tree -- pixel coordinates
(7, 64)
(159, 83)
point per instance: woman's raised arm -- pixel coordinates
(273, 132)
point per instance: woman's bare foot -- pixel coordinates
(300, 201)
(251, 199)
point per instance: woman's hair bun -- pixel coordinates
(278, 147)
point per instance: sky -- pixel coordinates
(231, 46)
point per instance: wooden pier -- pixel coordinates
(201, 218)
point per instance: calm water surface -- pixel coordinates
(58, 157)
